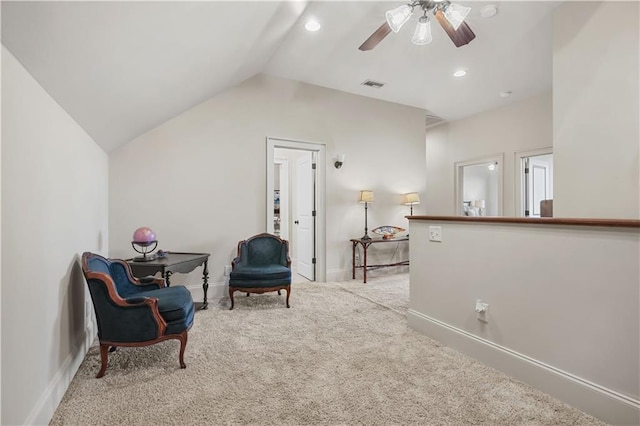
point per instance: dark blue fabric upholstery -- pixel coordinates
(132, 313)
(262, 273)
(129, 320)
(175, 305)
(118, 324)
(117, 270)
(263, 261)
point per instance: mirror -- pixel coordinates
(479, 187)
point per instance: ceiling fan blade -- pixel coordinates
(463, 35)
(375, 38)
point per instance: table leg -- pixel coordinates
(353, 261)
(364, 265)
(167, 278)
(205, 284)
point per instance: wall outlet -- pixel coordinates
(357, 259)
(435, 233)
(481, 310)
(227, 270)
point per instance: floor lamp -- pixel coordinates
(366, 197)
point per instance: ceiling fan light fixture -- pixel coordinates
(397, 17)
(455, 14)
(422, 34)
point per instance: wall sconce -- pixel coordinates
(410, 199)
(339, 161)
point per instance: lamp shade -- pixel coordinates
(366, 197)
(478, 203)
(398, 16)
(422, 34)
(411, 198)
(455, 14)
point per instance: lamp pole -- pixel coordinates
(366, 234)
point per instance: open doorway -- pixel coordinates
(296, 203)
(534, 171)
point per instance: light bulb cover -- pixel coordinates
(455, 14)
(422, 35)
(397, 17)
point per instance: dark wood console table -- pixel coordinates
(365, 245)
(175, 262)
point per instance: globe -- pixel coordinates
(144, 242)
(144, 236)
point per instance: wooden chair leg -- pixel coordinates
(103, 356)
(231, 290)
(288, 290)
(183, 345)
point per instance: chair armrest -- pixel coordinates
(150, 281)
(138, 311)
(235, 262)
(112, 310)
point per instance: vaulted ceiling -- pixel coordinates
(121, 68)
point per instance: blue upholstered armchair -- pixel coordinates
(132, 311)
(262, 265)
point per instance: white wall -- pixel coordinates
(54, 207)
(522, 126)
(596, 113)
(199, 180)
(563, 313)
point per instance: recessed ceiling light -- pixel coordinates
(312, 25)
(460, 73)
(505, 94)
(489, 11)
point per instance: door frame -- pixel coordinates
(519, 174)
(320, 228)
(284, 195)
(458, 179)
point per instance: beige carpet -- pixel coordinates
(342, 355)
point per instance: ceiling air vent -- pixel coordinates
(372, 83)
(432, 120)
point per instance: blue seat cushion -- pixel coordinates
(175, 305)
(260, 273)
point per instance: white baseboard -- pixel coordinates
(215, 292)
(43, 411)
(339, 275)
(599, 401)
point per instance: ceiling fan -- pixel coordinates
(449, 15)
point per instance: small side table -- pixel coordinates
(175, 262)
(365, 245)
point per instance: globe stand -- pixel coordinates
(144, 250)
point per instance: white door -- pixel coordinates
(538, 182)
(304, 220)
